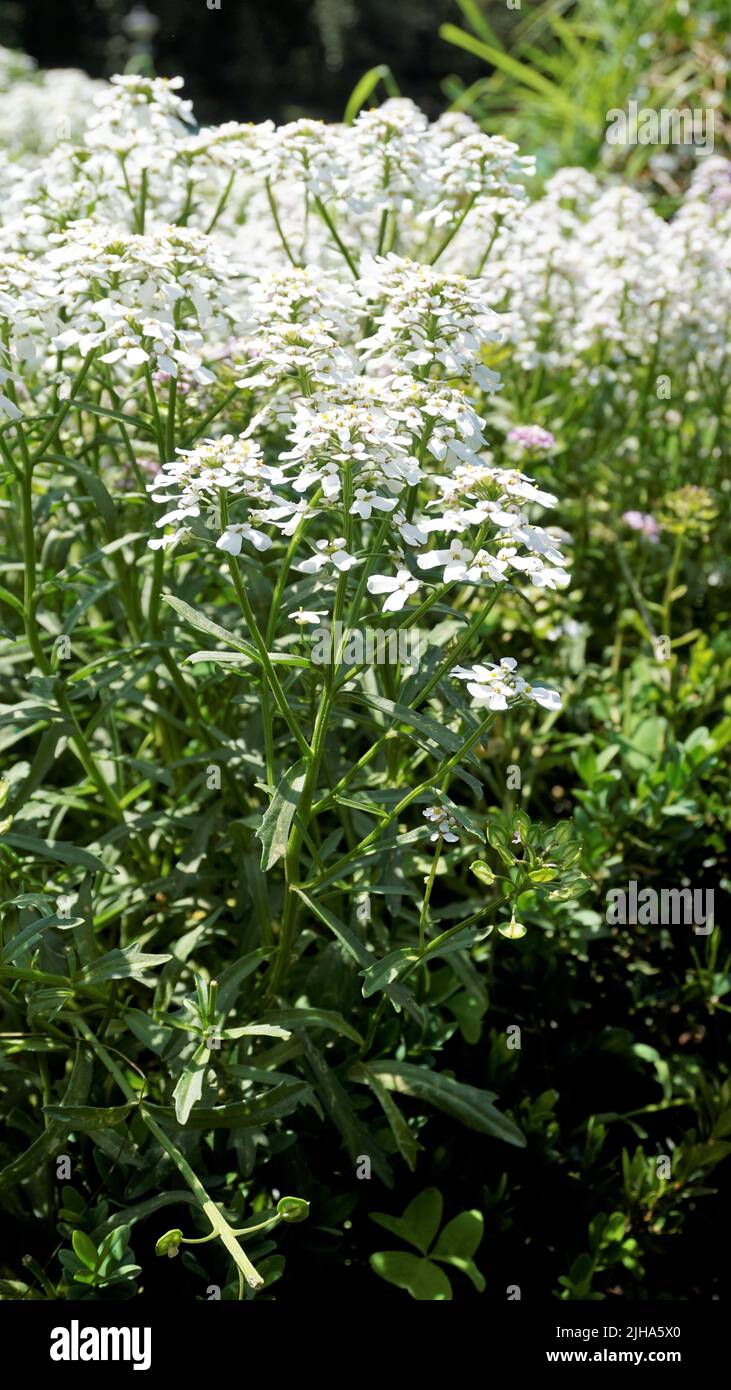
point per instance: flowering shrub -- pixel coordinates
(257, 382)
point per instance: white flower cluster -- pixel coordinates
(592, 281)
(495, 687)
(341, 295)
(39, 109)
(445, 824)
(134, 300)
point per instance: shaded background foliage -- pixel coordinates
(252, 61)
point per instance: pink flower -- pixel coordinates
(532, 437)
(642, 521)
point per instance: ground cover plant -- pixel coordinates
(364, 642)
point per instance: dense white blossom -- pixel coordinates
(305, 322)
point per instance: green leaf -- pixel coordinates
(467, 1104)
(348, 939)
(385, 972)
(426, 1282)
(460, 1237)
(245, 659)
(231, 979)
(365, 87)
(114, 1245)
(423, 1217)
(314, 1018)
(257, 1030)
(88, 1117)
(407, 1145)
(444, 738)
(55, 1134)
(128, 1216)
(461, 941)
(189, 1088)
(468, 1008)
(24, 939)
(203, 624)
(85, 1249)
(466, 1266)
(154, 1035)
(474, 16)
(280, 1100)
(105, 414)
(276, 824)
(520, 72)
(399, 995)
(58, 851)
(125, 963)
(97, 492)
(358, 1141)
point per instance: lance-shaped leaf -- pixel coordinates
(88, 1117)
(407, 1145)
(189, 1088)
(124, 963)
(277, 822)
(242, 1114)
(472, 1107)
(203, 624)
(58, 851)
(253, 1030)
(315, 1018)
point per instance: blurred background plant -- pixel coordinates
(557, 68)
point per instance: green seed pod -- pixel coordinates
(293, 1208)
(482, 871)
(168, 1244)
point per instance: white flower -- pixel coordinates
(495, 686)
(233, 537)
(399, 589)
(328, 553)
(549, 699)
(306, 617)
(365, 501)
(444, 823)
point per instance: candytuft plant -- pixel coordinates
(290, 905)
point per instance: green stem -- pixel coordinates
(274, 683)
(219, 1225)
(61, 414)
(342, 248)
(220, 205)
(294, 847)
(454, 229)
(280, 231)
(427, 895)
(383, 824)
